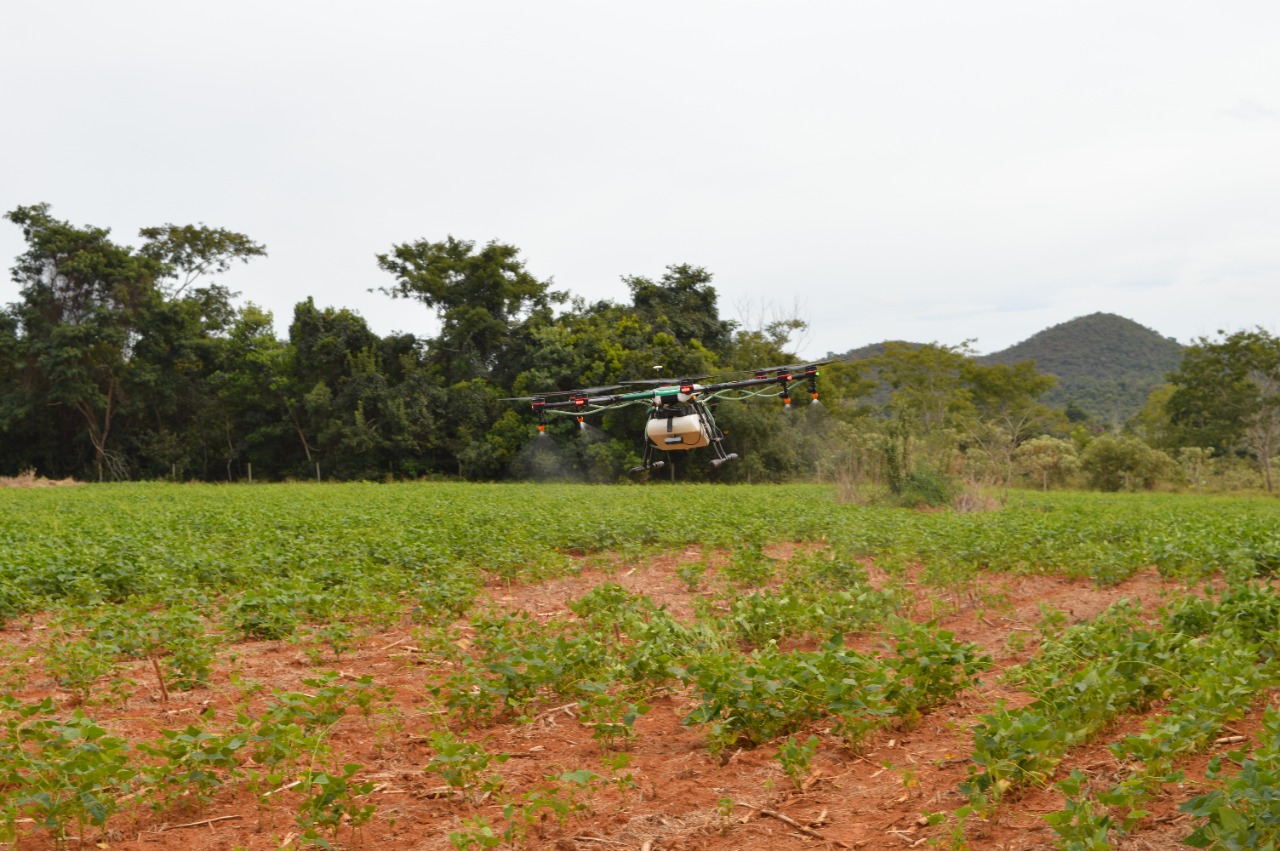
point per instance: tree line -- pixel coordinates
(126, 362)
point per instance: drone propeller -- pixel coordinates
(584, 391)
(793, 368)
(664, 382)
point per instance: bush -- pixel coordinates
(926, 487)
(1124, 463)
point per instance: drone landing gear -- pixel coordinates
(647, 462)
(716, 462)
(717, 439)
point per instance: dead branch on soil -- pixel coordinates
(197, 823)
(788, 820)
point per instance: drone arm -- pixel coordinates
(782, 377)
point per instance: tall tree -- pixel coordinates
(683, 303)
(83, 302)
(1007, 410)
(189, 252)
(480, 296)
(1227, 395)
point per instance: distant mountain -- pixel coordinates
(1104, 363)
(874, 350)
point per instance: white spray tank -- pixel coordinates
(683, 432)
(671, 429)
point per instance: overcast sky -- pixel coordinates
(887, 170)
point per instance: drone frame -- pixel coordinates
(668, 396)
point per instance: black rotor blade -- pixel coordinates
(665, 382)
(790, 367)
(583, 391)
(589, 391)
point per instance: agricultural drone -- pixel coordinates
(680, 416)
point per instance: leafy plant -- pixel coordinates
(796, 757)
(62, 772)
(78, 665)
(333, 797)
(193, 762)
(611, 717)
(464, 765)
(749, 566)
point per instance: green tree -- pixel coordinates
(927, 408)
(1196, 464)
(341, 392)
(1152, 422)
(683, 303)
(1005, 400)
(189, 252)
(480, 297)
(1228, 396)
(1047, 459)
(84, 299)
(926, 384)
(253, 390)
(181, 343)
(1124, 463)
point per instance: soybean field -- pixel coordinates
(441, 665)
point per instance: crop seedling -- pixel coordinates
(611, 717)
(691, 573)
(615, 764)
(464, 765)
(477, 833)
(724, 808)
(1245, 813)
(796, 758)
(930, 668)
(1078, 825)
(333, 798)
(60, 772)
(749, 567)
(194, 763)
(78, 665)
(264, 616)
(444, 598)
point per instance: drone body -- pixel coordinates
(680, 418)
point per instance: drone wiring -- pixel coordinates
(743, 394)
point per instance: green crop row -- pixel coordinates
(1245, 814)
(306, 546)
(1229, 656)
(64, 772)
(1213, 655)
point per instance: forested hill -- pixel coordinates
(1105, 364)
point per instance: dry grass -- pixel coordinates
(29, 479)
